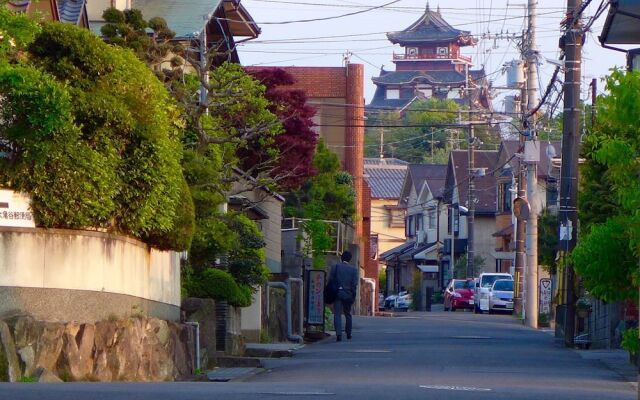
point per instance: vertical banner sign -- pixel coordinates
(315, 301)
(545, 296)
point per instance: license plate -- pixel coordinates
(509, 304)
(470, 301)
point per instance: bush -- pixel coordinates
(92, 136)
(630, 341)
(219, 285)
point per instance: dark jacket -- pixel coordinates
(347, 277)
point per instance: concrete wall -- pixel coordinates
(76, 267)
(251, 318)
(484, 242)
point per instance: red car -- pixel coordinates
(459, 294)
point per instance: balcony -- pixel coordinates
(428, 57)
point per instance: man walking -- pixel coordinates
(347, 277)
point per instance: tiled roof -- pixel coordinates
(384, 161)
(400, 77)
(184, 17)
(385, 180)
(485, 186)
(70, 11)
(432, 173)
(430, 27)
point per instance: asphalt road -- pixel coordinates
(416, 356)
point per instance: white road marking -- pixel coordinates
(369, 351)
(456, 388)
(471, 337)
(297, 393)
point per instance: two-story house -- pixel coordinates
(457, 197)
(422, 199)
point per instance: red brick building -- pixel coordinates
(338, 95)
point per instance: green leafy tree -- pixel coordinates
(90, 133)
(460, 267)
(547, 240)
(607, 254)
(329, 195)
(410, 136)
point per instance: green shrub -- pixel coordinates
(219, 285)
(630, 341)
(94, 136)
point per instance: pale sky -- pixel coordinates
(310, 44)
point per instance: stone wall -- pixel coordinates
(133, 349)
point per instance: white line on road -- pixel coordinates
(297, 394)
(369, 351)
(456, 388)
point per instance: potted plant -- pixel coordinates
(583, 307)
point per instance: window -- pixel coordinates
(393, 94)
(410, 228)
(442, 51)
(504, 197)
(412, 51)
(432, 219)
(397, 218)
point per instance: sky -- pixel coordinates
(286, 42)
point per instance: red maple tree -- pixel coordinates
(297, 143)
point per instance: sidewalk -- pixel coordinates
(616, 360)
(254, 351)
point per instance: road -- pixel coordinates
(435, 355)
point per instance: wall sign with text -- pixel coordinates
(15, 210)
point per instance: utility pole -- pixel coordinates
(382, 142)
(472, 203)
(520, 223)
(568, 214)
(531, 314)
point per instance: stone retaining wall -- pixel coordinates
(134, 349)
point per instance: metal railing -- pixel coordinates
(427, 57)
(341, 234)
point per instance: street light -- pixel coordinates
(622, 27)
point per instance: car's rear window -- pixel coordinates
(503, 286)
(487, 280)
(463, 285)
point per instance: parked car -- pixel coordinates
(501, 296)
(390, 301)
(483, 286)
(459, 294)
(403, 301)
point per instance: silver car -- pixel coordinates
(501, 296)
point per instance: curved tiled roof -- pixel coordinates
(431, 27)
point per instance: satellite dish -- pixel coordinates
(550, 151)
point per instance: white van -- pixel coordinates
(483, 285)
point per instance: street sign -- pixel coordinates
(315, 299)
(545, 296)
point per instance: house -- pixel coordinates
(227, 22)
(457, 198)
(385, 177)
(68, 11)
(422, 198)
(431, 66)
(547, 194)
